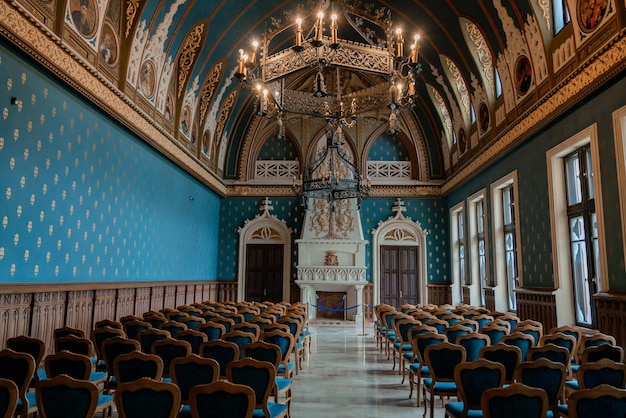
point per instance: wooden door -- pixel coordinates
(264, 272)
(399, 281)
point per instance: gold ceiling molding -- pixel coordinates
(39, 43)
(382, 192)
(597, 70)
(190, 47)
(131, 11)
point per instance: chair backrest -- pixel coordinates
(193, 322)
(529, 329)
(514, 401)
(590, 375)
(222, 400)
(560, 339)
(136, 365)
(213, 330)
(442, 359)
(240, 338)
(482, 320)
(521, 341)
(155, 320)
(19, 368)
(473, 378)
(176, 316)
(236, 317)
(260, 322)
(421, 341)
(191, 371)
(169, 349)
(116, 346)
(455, 331)
(510, 318)
(258, 375)
(150, 336)
(77, 366)
(508, 355)
(74, 344)
(604, 351)
(546, 375)
(99, 335)
(437, 323)
(403, 327)
(470, 323)
(595, 340)
(173, 327)
(9, 395)
(221, 351)
(248, 327)
(194, 338)
(226, 322)
(152, 313)
(551, 352)
(25, 344)
(285, 342)
(263, 351)
(494, 332)
(603, 400)
(147, 398)
(573, 332)
(473, 343)
(65, 331)
(65, 397)
(129, 318)
(134, 327)
(108, 323)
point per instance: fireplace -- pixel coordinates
(331, 300)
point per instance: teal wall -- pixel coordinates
(431, 213)
(534, 208)
(387, 148)
(84, 200)
(278, 149)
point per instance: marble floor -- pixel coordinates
(347, 377)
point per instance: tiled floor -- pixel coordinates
(347, 377)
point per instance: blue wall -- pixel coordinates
(84, 200)
(534, 208)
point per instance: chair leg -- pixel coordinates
(411, 375)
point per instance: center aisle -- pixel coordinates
(347, 377)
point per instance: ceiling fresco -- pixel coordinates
(484, 65)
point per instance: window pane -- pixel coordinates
(591, 190)
(560, 15)
(511, 279)
(572, 179)
(460, 224)
(580, 270)
(596, 250)
(507, 203)
(480, 221)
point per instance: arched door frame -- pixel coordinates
(264, 229)
(399, 230)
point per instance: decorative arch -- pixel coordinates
(264, 229)
(399, 230)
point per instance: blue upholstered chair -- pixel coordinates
(472, 380)
(193, 322)
(194, 338)
(9, 395)
(535, 331)
(240, 338)
(441, 360)
(473, 343)
(148, 337)
(77, 366)
(254, 329)
(222, 400)
(574, 332)
(514, 401)
(136, 365)
(147, 398)
(508, 355)
(173, 327)
(19, 368)
(221, 351)
(155, 320)
(418, 369)
(260, 376)
(402, 343)
(112, 348)
(521, 341)
(603, 400)
(483, 320)
(603, 372)
(134, 327)
(285, 341)
(103, 323)
(99, 336)
(190, 371)
(212, 330)
(65, 397)
(33, 346)
(170, 349)
(453, 332)
(494, 332)
(604, 351)
(547, 375)
(553, 353)
(65, 331)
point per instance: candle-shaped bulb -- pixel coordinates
(415, 48)
(240, 63)
(399, 43)
(333, 29)
(255, 46)
(319, 27)
(298, 32)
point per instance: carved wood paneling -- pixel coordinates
(79, 311)
(14, 316)
(465, 294)
(125, 303)
(227, 291)
(104, 305)
(142, 300)
(48, 315)
(490, 299)
(439, 294)
(212, 291)
(190, 295)
(611, 315)
(169, 299)
(537, 304)
(294, 293)
(157, 298)
(181, 295)
(206, 292)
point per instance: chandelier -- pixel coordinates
(333, 175)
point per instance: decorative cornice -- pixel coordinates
(600, 68)
(45, 47)
(409, 191)
(190, 47)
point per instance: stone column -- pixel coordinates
(359, 318)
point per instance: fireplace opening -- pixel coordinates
(331, 300)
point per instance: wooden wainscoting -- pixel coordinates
(439, 294)
(490, 299)
(611, 315)
(537, 304)
(465, 294)
(37, 310)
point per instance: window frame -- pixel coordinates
(564, 292)
(619, 128)
(499, 257)
(457, 282)
(477, 292)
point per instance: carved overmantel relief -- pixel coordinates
(263, 229)
(400, 230)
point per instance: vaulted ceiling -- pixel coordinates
(485, 64)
